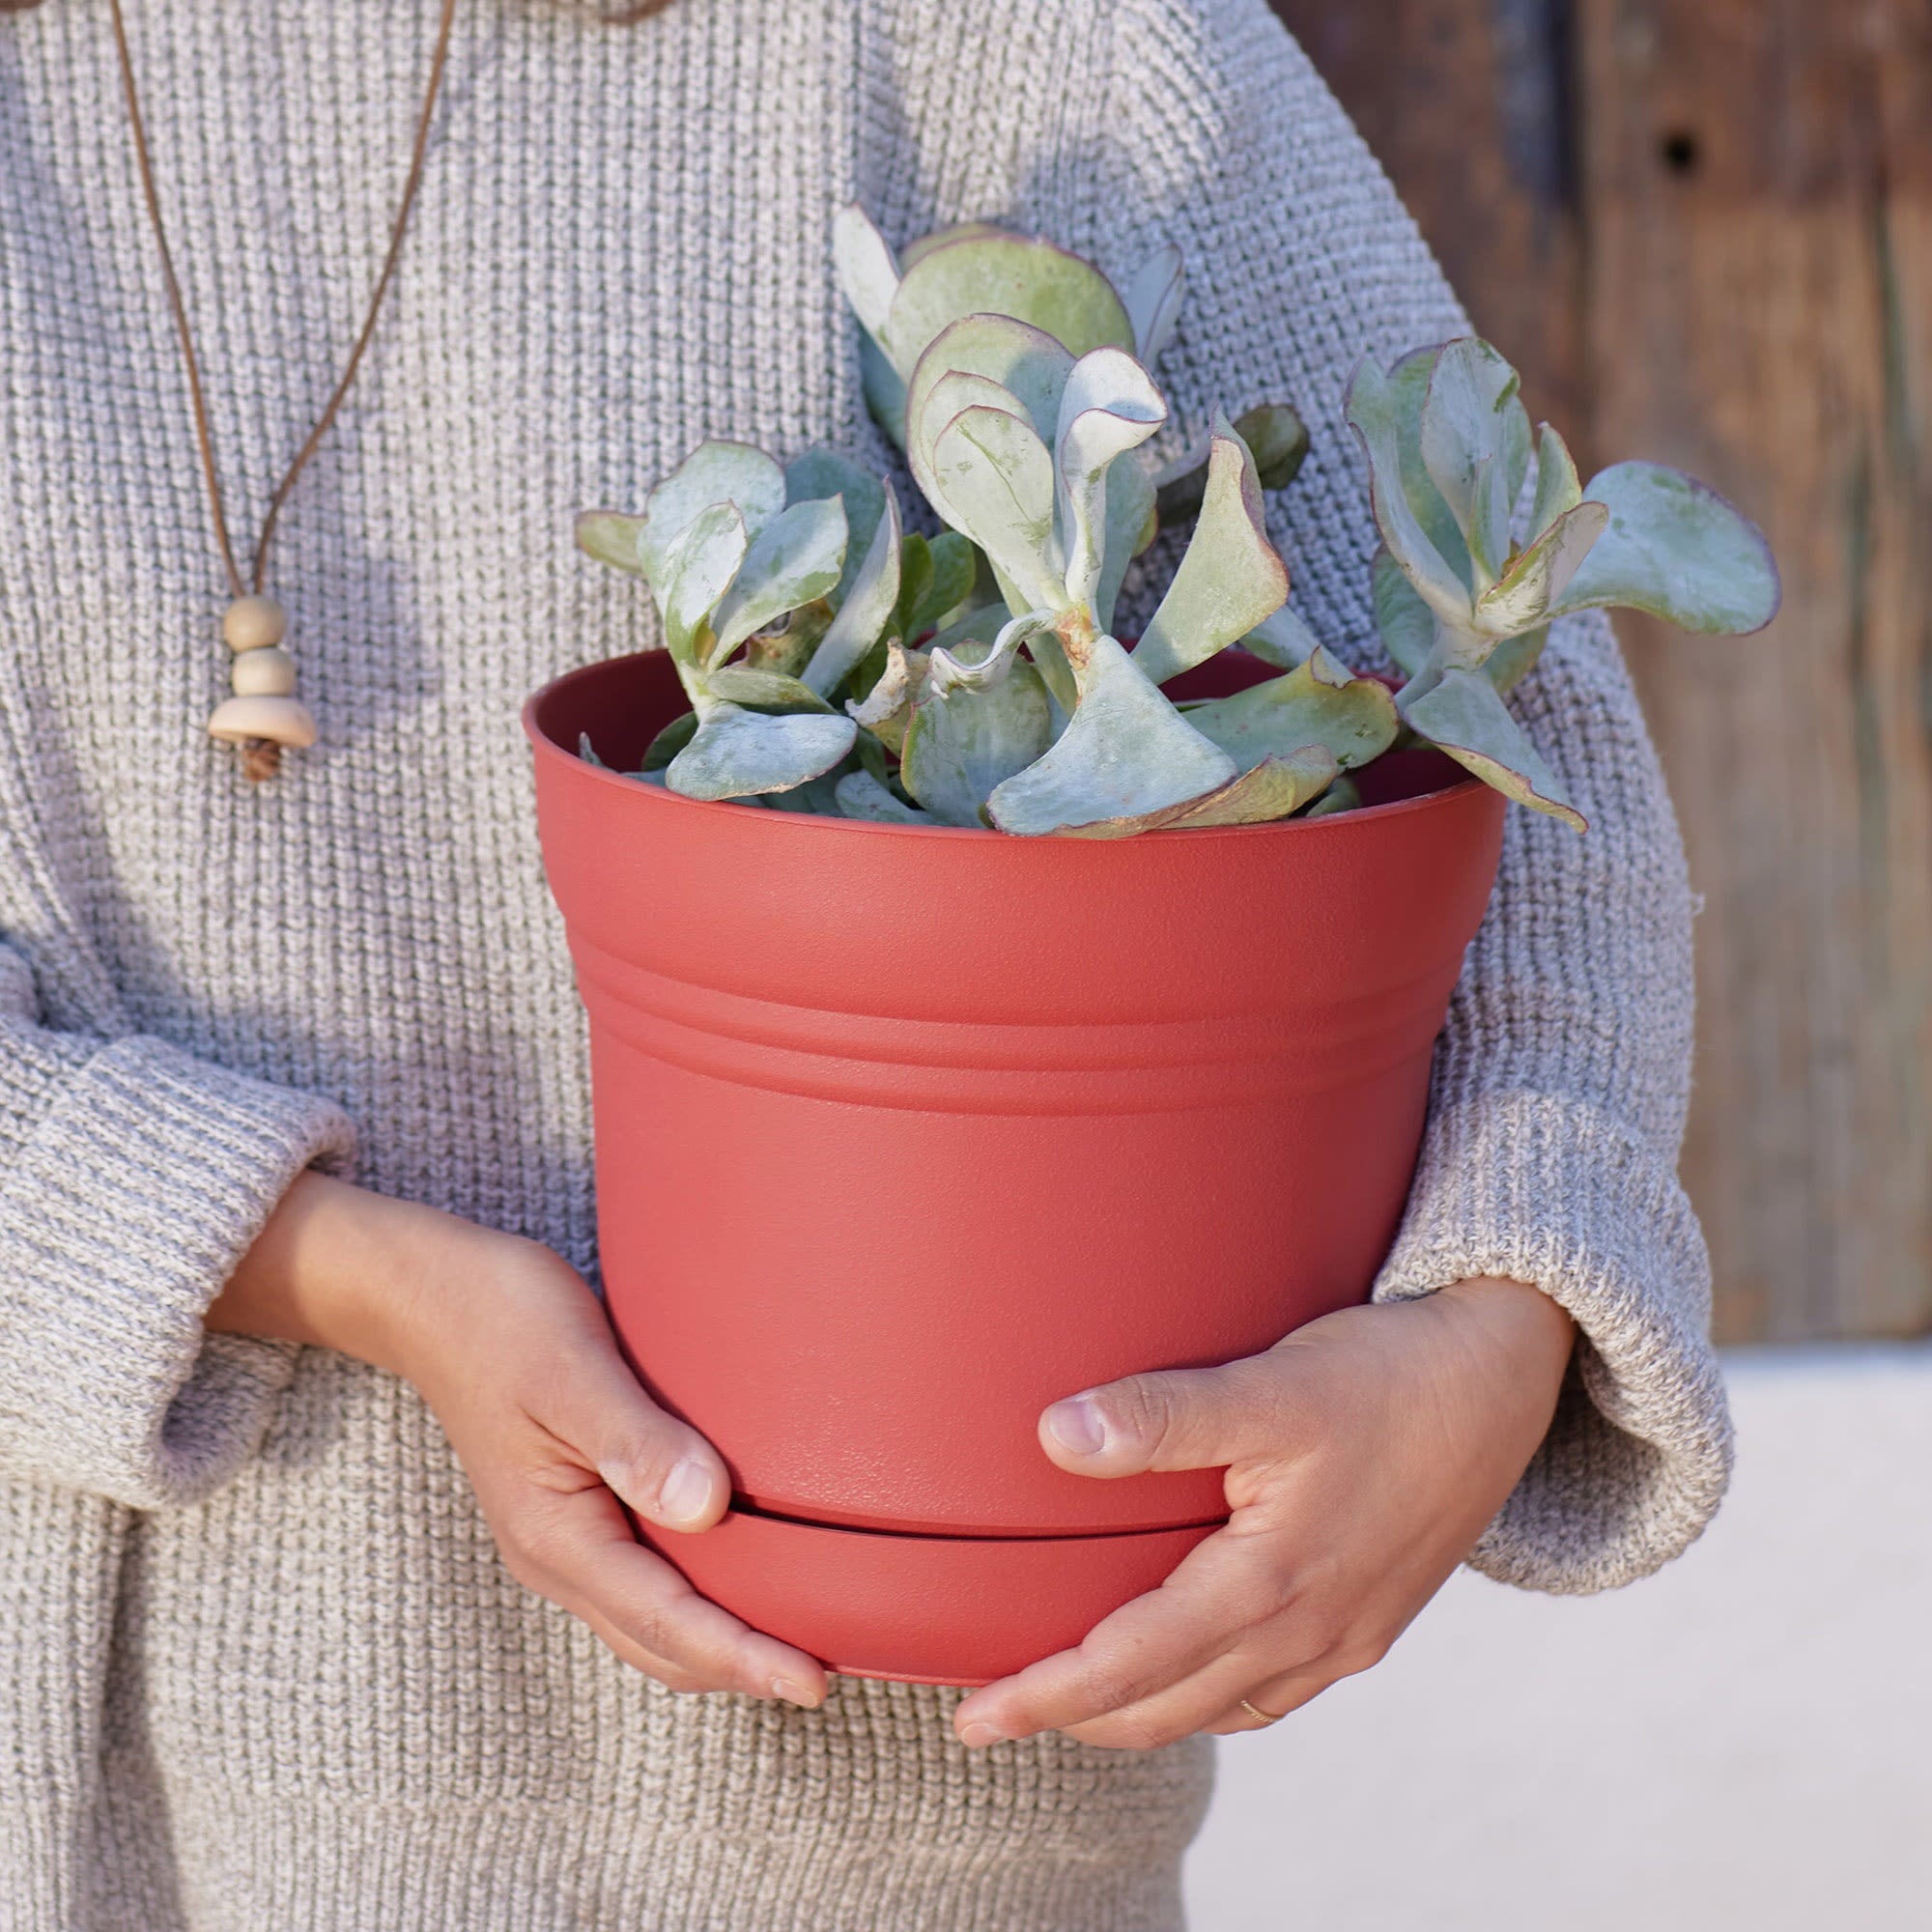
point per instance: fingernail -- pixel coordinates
(1076, 1425)
(794, 1693)
(979, 1736)
(686, 1495)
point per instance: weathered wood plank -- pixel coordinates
(1731, 268)
(1758, 192)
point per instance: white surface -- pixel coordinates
(1743, 1742)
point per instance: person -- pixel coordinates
(320, 1607)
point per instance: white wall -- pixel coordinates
(1743, 1744)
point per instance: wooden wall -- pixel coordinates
(1703, 229)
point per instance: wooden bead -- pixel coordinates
(254, 624)
(282, 721)
(264, 674)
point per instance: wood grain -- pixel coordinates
(1730, 267)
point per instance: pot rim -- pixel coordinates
(545, 746)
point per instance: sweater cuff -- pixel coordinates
(129, 1204)
(1548, 1191)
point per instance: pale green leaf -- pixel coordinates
(1374, 415)
(1465, 715)
(1230, 578)
(954, 567)
(1407, 625)
(994, 483)
(1343, 795)
(868, 273)
(965, 740)
(1677, 550)
(1283, 639)
(860, 795)
(761, 689)
(1108, 408)
(1153, 300)
(996, 273)
(693, 575)
(1025, 364)
(611, 537)
(1537, 579)
(867, 609)
(1275, 789)
(1125, 752)
(714, 473)
(823, 473)
(736, 753)
(1557, 488)
(1321, 702)
(796, 557)
(1514, 659)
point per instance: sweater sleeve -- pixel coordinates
(1562, 1077)
(132, 1178)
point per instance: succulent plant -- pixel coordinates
(838, 663)
(1464, 606)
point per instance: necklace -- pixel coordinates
(263, 716)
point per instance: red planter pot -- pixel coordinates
(904, 1133)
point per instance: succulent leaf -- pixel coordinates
(978, 667)
(1535, 583)
(1025, 364)
(611, 537)
(1127, 752)
(694, 571)
(1108, 408)
(1230, 578)
(1276, 438)
(967, 737)
(798, 556)
(1374, 412)
(994, 482)
(735, 753)
(1283, 639)
(667, 744)
(714, 473)
(1152, 298)
(885, 389)
(1557, 487)
(1003, 275)
(823, 473)
(1464, 714)
(1132, 524)
(1343, 795)
(1676, 549)
(888, 706)
(1514, 659)
(1409, 389)
(1465, 440)
(862, 796)
(1277, 787)
(1321, 703)
(869, 609)
(955, 569)
(1407, 625)
(761, 689)
(869, 272)
(957, 231)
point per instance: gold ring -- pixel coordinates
(1254, 1711)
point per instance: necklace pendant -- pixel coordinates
(263, 715)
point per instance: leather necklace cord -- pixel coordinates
(253, 616)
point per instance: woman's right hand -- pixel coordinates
(515, 1356)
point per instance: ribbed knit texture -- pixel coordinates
(260, 1664)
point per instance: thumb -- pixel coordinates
(663, 1468)
(1173, 1419)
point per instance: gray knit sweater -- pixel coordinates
(260, 1664)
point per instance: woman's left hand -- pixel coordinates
(1365, 1454)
